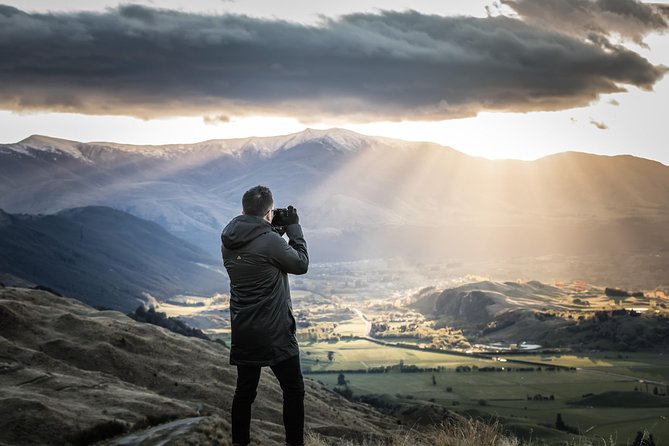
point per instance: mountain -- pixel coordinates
(71, 374)
(105, 257)
(365, 197)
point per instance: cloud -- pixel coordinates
(594, 19)
(217, 119)
(599, 125)
(147, 62)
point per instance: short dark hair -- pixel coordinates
(257, 201)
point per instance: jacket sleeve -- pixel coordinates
(291, 257)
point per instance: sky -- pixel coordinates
(499, 79)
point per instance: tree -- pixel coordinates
(341, 380)
(345, 392)
(559, 424)
(331, 356)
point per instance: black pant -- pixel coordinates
(290, 378)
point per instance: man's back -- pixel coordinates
(258, 260)
(263, 327)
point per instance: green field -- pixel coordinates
(648, 366)
(362, 354)
(505, 393)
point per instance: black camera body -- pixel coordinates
(280, 216)
(285, 217)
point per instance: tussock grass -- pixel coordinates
(461, 432)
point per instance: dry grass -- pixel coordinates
(457, 432)
(461, 432)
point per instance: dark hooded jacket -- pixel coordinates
(258, 261)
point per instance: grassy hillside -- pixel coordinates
(104, 257)
(549, 316)
(72, 374)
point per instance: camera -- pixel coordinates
(280, 217)
(284, 217)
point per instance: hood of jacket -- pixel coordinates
(243, 229)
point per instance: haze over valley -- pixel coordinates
(563, 217)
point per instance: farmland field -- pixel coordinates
(505, 393)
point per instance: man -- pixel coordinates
(258, 261)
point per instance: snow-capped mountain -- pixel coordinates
(358, 196)
(339, 139)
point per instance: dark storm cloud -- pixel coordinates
(147, 62)
(629, 19)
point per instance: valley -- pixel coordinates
(366, 331)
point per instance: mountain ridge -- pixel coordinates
(345, 139)
(296, 138)
(368, 197)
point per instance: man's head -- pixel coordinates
(258, 201)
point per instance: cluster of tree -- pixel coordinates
(473, 368)
(615, 292)
(603, 316)
(491, 369)
(378, 328)
(540, 397)
(620, 330)
(344, 391)
(381, 401)
(411, 368)
(404, 368)
(151, 316)
(544, 316)
(401, 335)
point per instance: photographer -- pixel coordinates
(258, 260)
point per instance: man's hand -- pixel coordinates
(292, 218)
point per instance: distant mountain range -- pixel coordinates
(105, 257)
(359, 196)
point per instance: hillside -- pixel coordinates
(552, 317)
(104, 257)
(480, 303)
(71, 374)
(364, 197)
